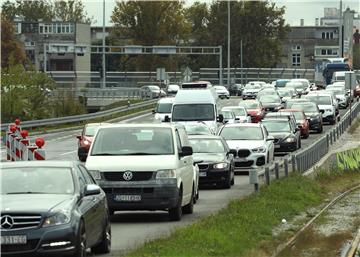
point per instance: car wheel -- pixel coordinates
(189, 208)
(233, 178)
(81, 155)
(176, 212)
(81, 242)
(227, 182)
(105, 244)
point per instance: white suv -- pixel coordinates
(254, 147)
(145, 167)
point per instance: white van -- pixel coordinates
(145, 167)
(196, 105)
(163, 108)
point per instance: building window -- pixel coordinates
(323, 51)
(323, 35)
(296, 59)
(327, 35)
(296, 47)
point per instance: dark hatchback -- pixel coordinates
(287, 135)
(52, 208)
(216, 160)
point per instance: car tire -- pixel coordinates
(175, 213)
(227, 182)
(189, 208)
(80, 249)
(105, 244)
(81, 155)
(233, 179)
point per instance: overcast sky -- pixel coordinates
(295, 9)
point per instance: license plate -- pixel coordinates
(277, 146)
(241, 159)
(13, 240)
(127, 198)
(202, 174)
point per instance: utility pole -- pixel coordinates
(228, 46)
(241, 61)
(341, 39)
(103, 50)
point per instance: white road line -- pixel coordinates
(69, 152)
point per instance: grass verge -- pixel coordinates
(354, 126)
(245, 227)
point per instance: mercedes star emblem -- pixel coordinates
(7, 222)
(127, 175)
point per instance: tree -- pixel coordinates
(150, 23)
(28, 10)
(71, 10)
(259, 24)
(10, 46)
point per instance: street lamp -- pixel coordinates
(228, 46)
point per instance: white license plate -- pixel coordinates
(13, 240)
(277, 146)
(202, 174)
(242, 160)
(127, 198)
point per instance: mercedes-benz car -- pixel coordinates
(252, 143)
(215, 160)
(52, 208)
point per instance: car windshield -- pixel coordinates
(320, 100)
(284, 93)
(207, 145)
(242, 133)
(276, 125)
(269, 99)
(154, 87)
(227, 114)
(164, 108)
(91, 130)
(36, 180)
(305, 107)
(197, 129)
(252, 86)
(294, 85)
(249, 104)
(281, 83)
(338, 91)
(237, 111)
(133, 141)
(339, 78)
(193, 112)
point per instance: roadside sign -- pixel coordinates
(350, 80)
(187, 74)
(160, 74)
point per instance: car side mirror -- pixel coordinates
(270, 138)
(167, 118)
(220, 118)
(233, 152)
(186, 151)
(92, 189)
(79, 137)
(197, 162)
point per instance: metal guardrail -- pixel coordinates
(302, 160)
(81, 117)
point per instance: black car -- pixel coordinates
(216, 160)
(287, 136)
(271, 103)
(52, 207)
(236, 89)
(312, 113)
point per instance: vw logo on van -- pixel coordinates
(128, 175)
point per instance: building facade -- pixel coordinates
(56, 46)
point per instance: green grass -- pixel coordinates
(354, 126)
(237, 229)
(245, 227)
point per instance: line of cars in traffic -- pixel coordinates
(194, 141)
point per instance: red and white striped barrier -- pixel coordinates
(19, 147)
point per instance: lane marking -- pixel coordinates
(68, 152)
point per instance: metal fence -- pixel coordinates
(81, 117)
(302, 160)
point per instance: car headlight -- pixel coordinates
(86, 142)
(290, 140)
(95, 174)
(221, 165)
(58, 218)
(259, 150)
(160, 174)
